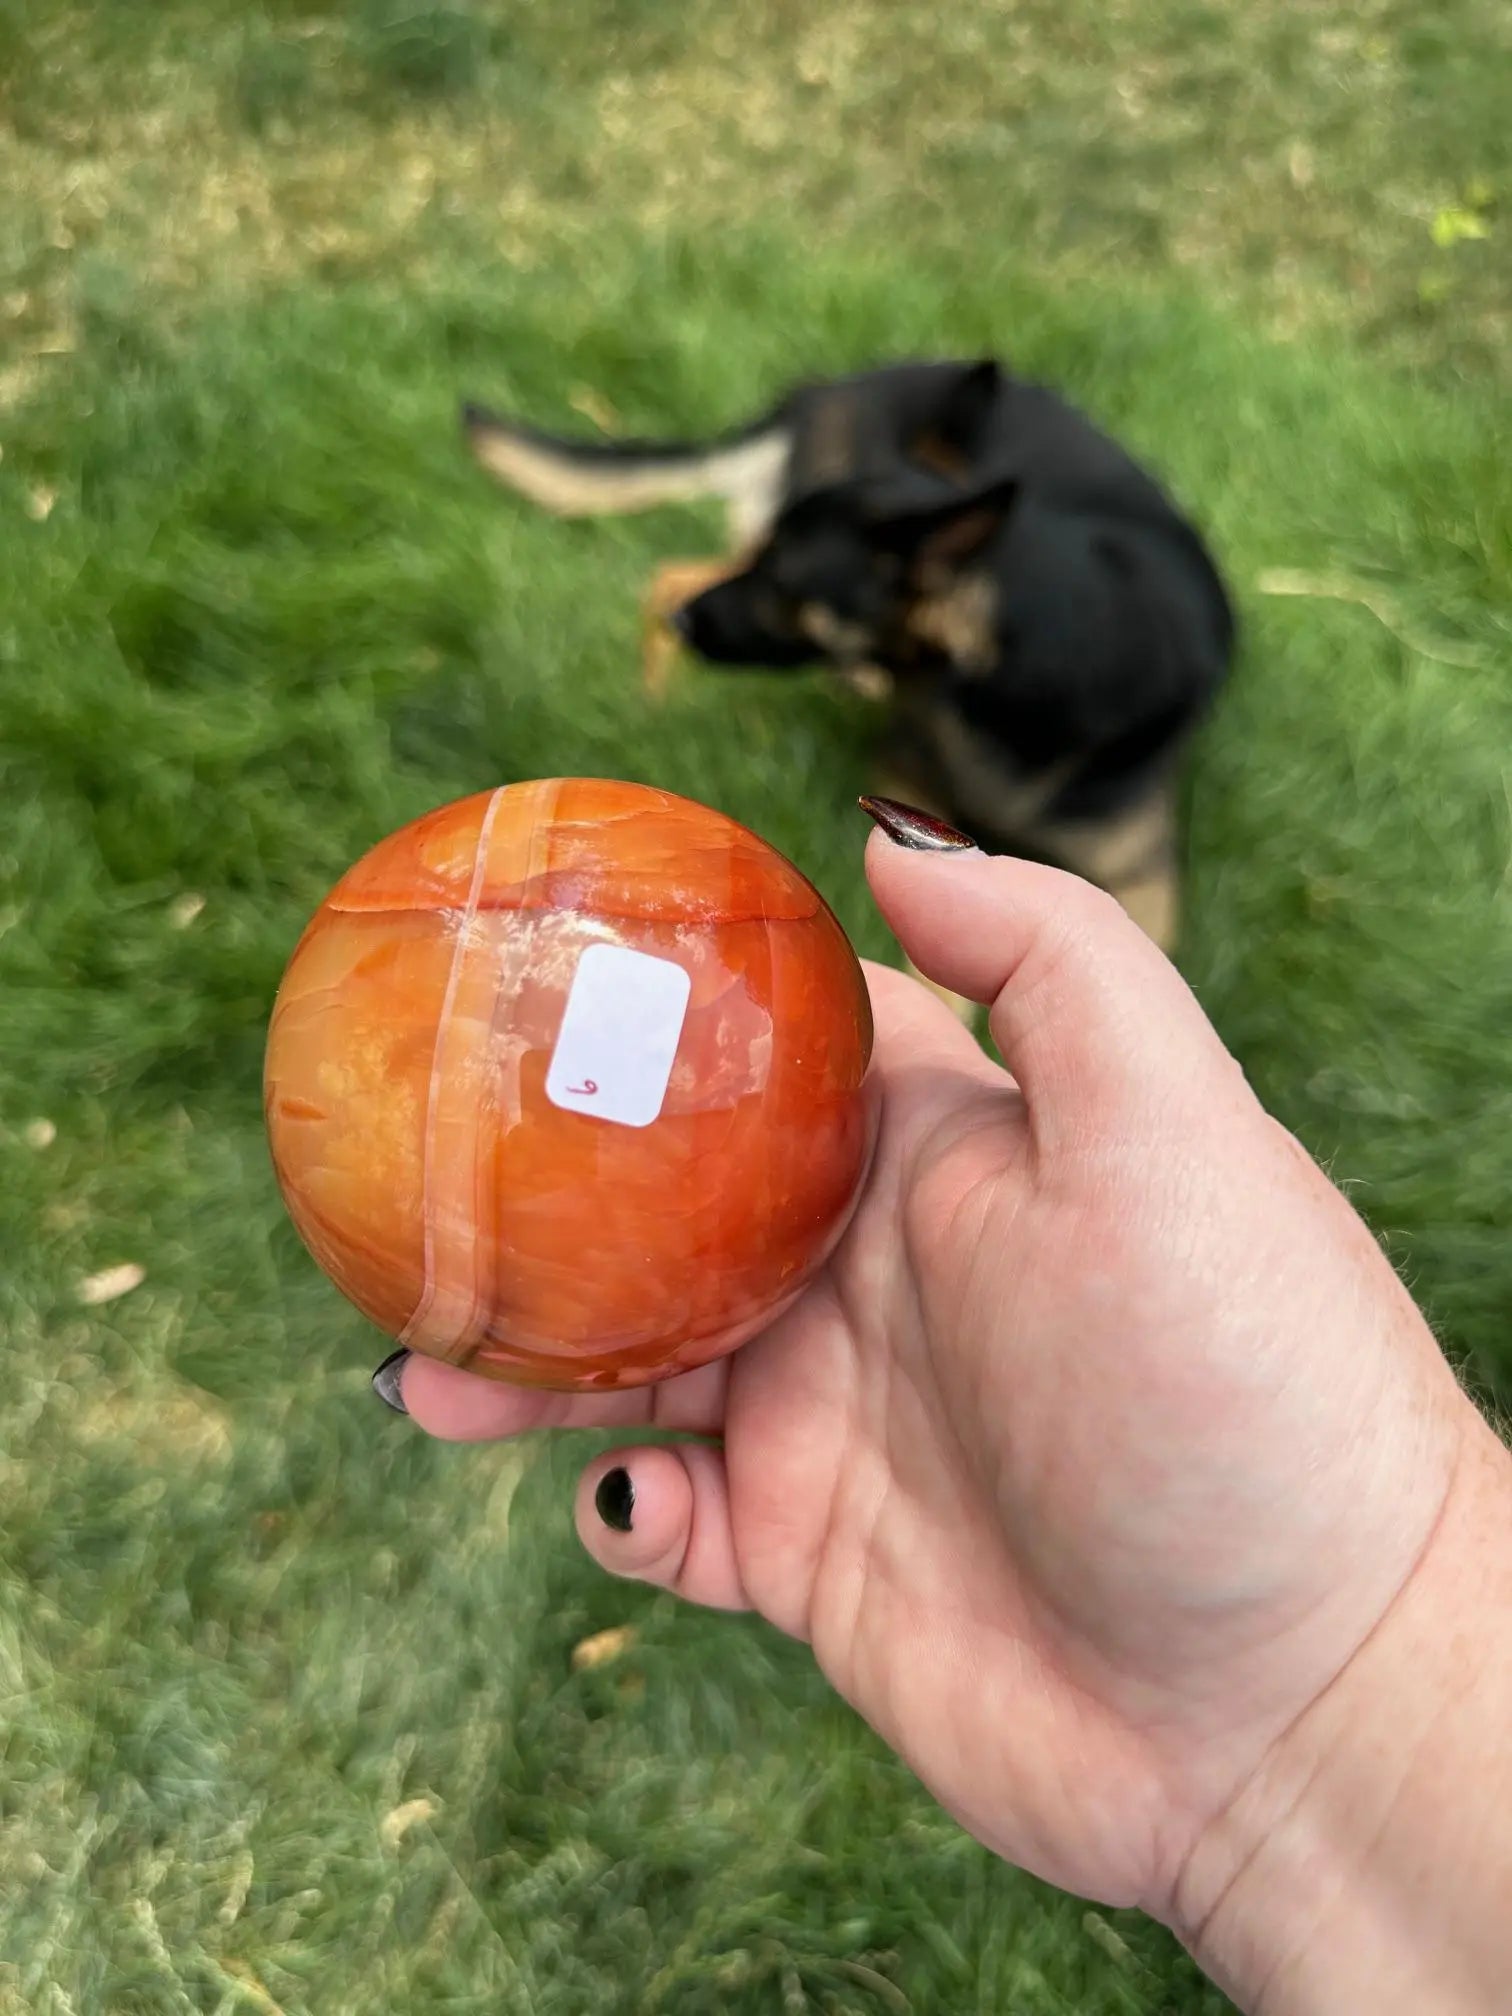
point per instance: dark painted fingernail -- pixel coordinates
(907, 826)
(614, 1500)
(386, 1381)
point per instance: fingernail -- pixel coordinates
(907, 826)
(386, 1381)
(614, 1500)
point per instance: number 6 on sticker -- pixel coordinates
(619, 1035)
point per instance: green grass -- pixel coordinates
(289, 1716)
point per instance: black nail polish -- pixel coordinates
(907, 826)
(386, 1381)
(614, 1500)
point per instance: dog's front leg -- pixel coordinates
(1133, 855)
(674, 583)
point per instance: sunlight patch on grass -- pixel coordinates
(1299, 164)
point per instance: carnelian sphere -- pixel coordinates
(564, 1083)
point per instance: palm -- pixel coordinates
(1028, 1569)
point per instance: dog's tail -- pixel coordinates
(578, 479)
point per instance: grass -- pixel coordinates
(290, 1716)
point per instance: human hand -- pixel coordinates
(1105, 1441)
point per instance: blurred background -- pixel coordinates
(291, 1716)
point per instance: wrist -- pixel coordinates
(1368, 1864)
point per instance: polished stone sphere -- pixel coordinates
(565, 1084)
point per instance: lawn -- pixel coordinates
(291, 1721)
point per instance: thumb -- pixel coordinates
(1092, 1020)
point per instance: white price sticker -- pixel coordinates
(619, 1035)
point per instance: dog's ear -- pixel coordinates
(934, 532)
(954, 437)
(969, 405)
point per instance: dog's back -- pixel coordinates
(1113, 635)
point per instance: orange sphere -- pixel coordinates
(564, 1084)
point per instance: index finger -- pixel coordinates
(458, 1406)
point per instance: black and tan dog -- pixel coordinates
(1046, 625)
